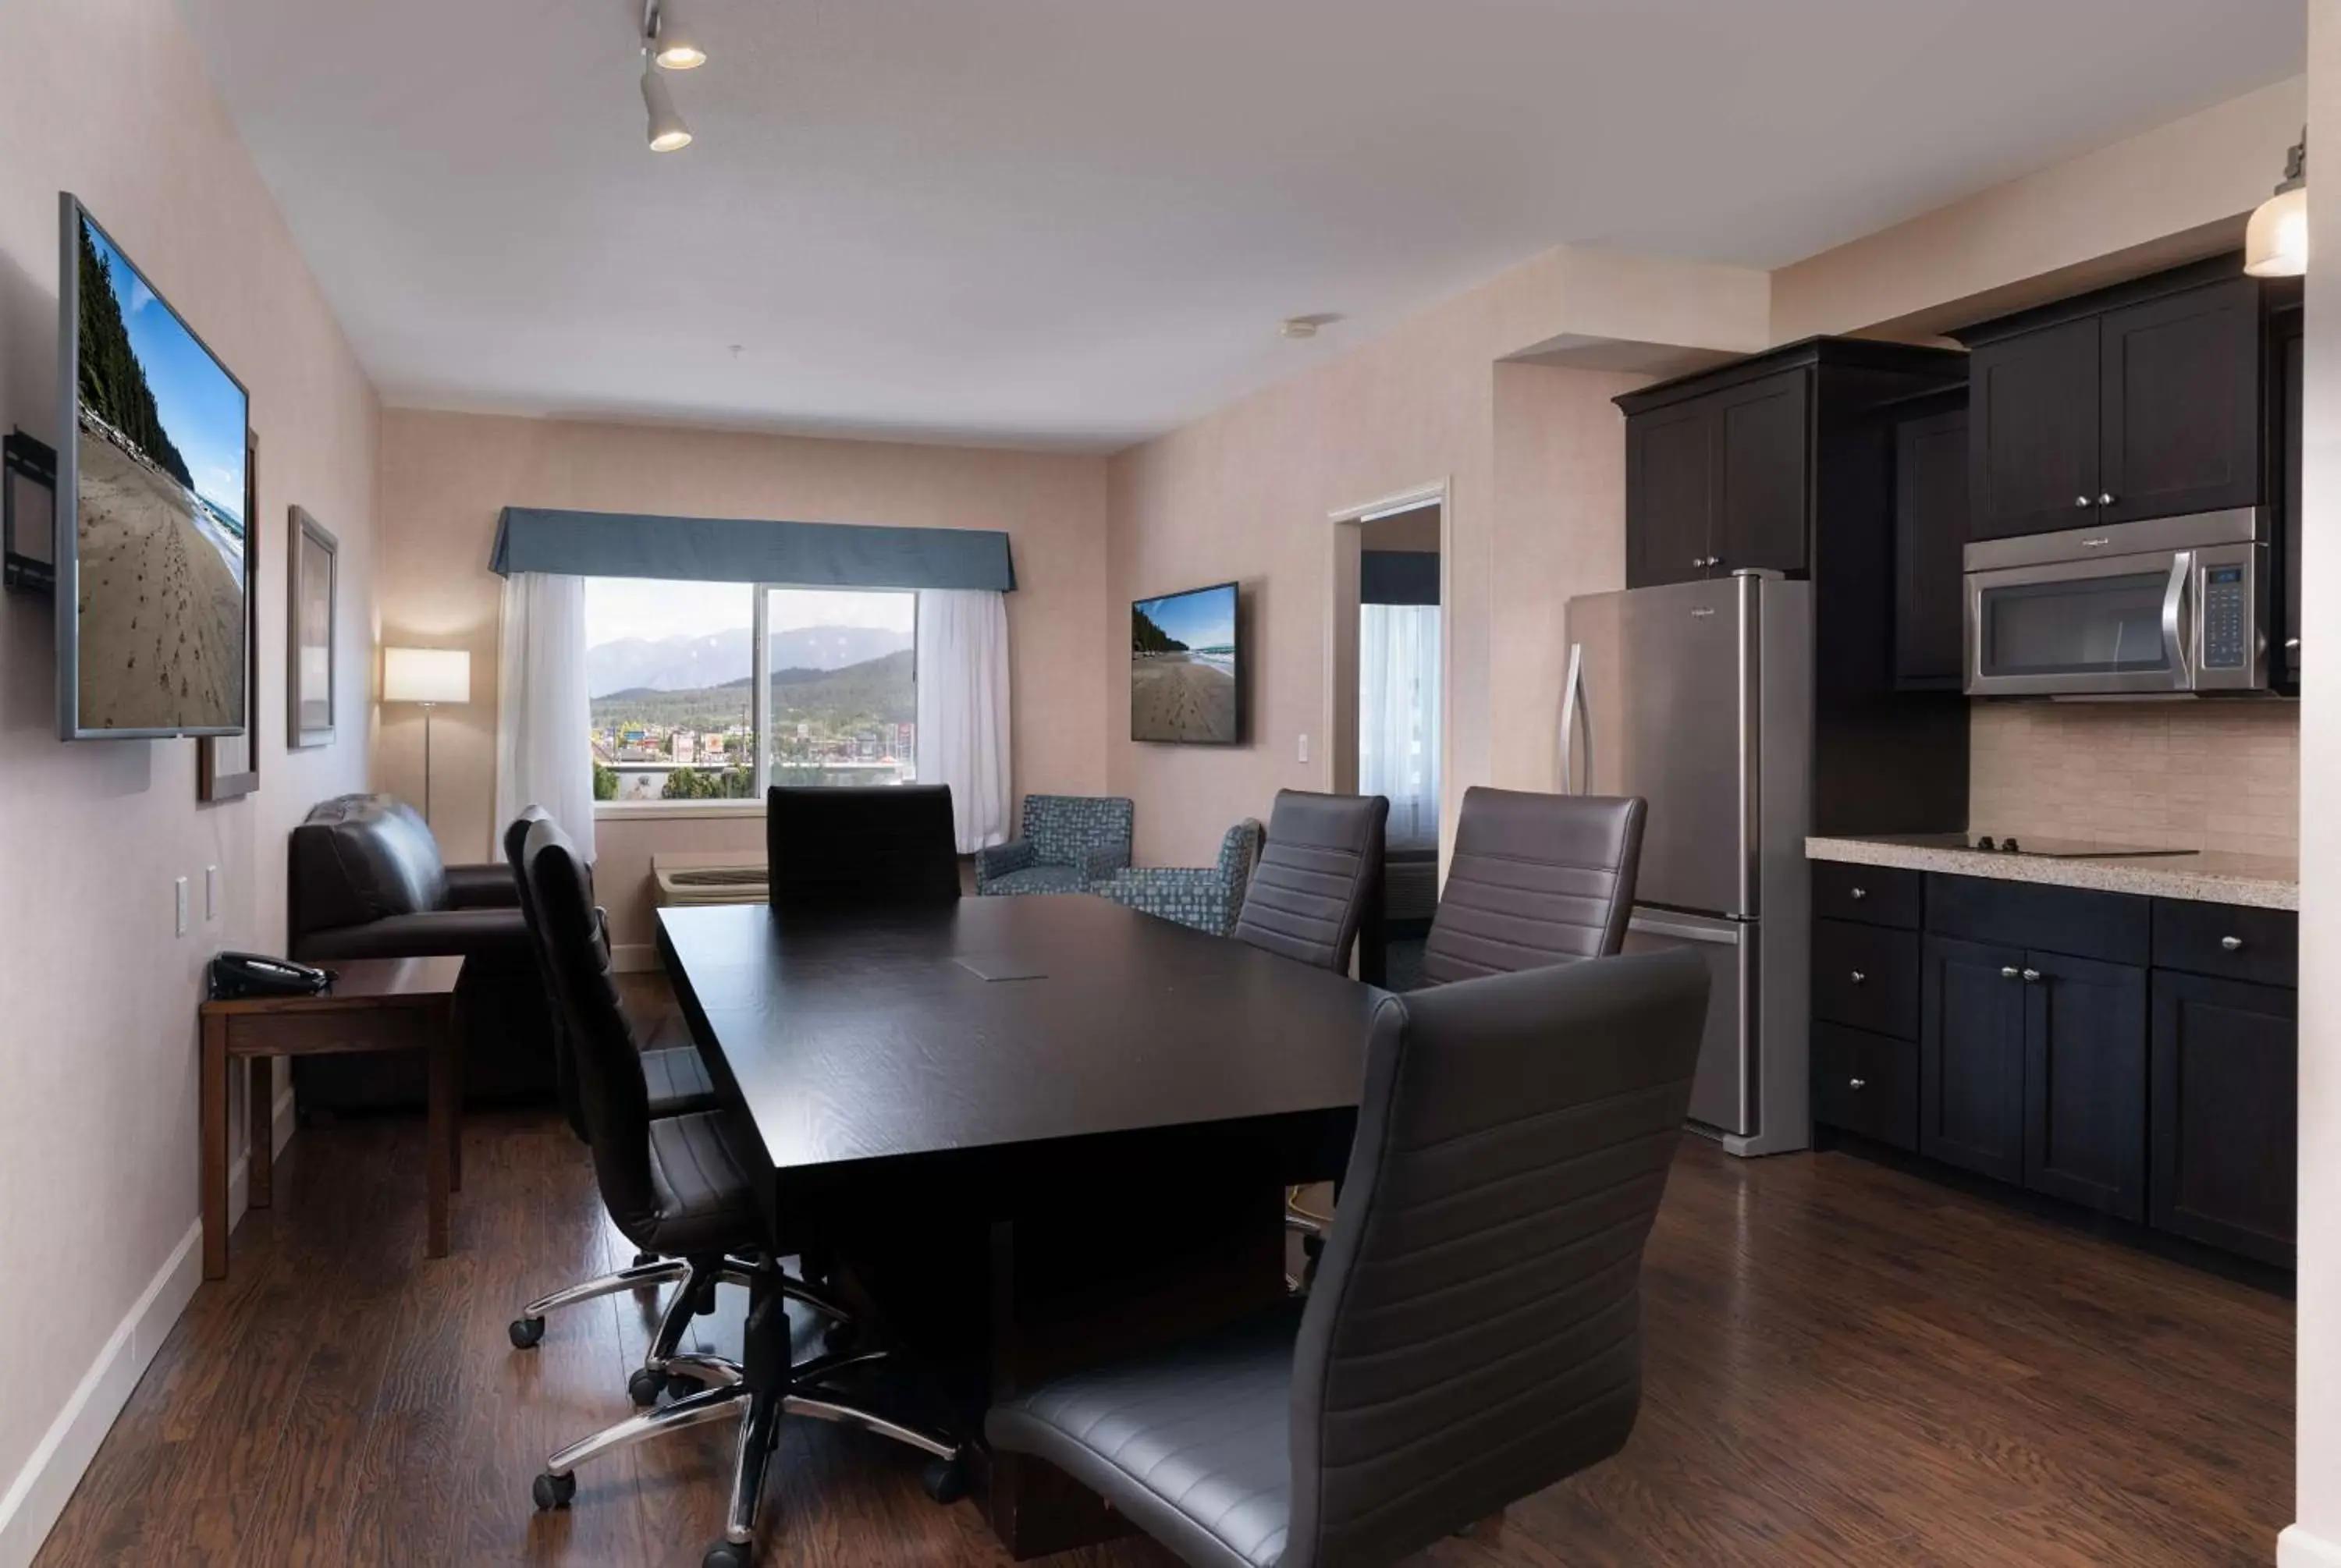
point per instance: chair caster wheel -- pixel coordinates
(682, 1385)
(645, 1385)
(645, 1259)
(839, 1336)
(525, 1332)
(723, 1554)
(553, 1490)
(945, 1479)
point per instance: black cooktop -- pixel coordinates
(2025, 844)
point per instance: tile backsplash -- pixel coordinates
(2218, 776)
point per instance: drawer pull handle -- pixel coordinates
(2007, 973)
(1859, 893)
(2232, 943)
(1857, 1083)
(2030, 976)
(1859, 976)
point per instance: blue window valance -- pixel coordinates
(1398, 577)
(743, 550)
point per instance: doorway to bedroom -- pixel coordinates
(1398, 713)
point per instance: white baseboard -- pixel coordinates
(2296, 1548)
(633, 957)
(39, 1493)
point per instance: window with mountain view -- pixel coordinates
(671, 673)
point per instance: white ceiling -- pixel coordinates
(1079, 221)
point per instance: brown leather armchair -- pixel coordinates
(366, 881)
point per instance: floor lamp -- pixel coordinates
(429, 676)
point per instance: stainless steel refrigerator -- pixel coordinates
(1698, 697)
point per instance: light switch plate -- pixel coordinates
(179, 904)
(211, 892)
(1304, 749)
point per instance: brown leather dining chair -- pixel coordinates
(1317, 892)
(1535, 879)
(1474, 1334)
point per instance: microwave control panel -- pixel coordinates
(2225, 617)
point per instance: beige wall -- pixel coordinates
(2315, 1540)
(2221, 776)
(1533, 457)
(445, 476)
(107, 98)
(2173, 193)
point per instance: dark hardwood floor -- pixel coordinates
(1844, 1365)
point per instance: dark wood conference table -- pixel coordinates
(1043, 1129)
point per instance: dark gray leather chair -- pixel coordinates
(678, 1084)
(1318, 884)
(1474, 1333)
(679, 1187)
(1535, 879)
(841, 848)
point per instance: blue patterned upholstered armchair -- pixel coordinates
(1207, 898)
(1067, 842)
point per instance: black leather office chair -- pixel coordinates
(855, 848)
(679, 1186)
(1535, 879)
(678, 1084)
(1317, 891)
(1474, 1335)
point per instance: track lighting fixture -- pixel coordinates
(671, 44)
(668, 134)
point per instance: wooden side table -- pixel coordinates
(374, 1004)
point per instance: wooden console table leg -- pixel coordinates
(213, 1095)
(440, 1136)
(454, 1070)
(260, 1133)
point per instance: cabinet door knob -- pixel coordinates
(1859, 893)
(1699, 561)
(2105, 498)
(1859, 976)
(2007, 972)
(2030, 976)
(1857, 1083)
(2080, 501)
(2232, 943)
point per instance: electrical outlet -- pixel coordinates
(179, 904)
(1304, 749)
(211, 892)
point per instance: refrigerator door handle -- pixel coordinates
(1572, 704)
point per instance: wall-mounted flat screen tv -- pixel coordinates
(1186, 668)
(150, 578)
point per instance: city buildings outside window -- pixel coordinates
(679, 715)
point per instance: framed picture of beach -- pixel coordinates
(309, 596)
(227, 767)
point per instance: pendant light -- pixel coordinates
(2275, 243)
(668, 134)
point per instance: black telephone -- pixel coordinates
(252, 975)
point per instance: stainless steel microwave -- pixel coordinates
(2174, 606)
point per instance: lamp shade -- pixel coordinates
(2276, 242)
(427, 675)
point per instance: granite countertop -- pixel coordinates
(2259, 881)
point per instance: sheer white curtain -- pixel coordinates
(1397, 716)
(544, 720)
(963, 675)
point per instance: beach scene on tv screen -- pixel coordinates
(159, 511)
(1182, 667)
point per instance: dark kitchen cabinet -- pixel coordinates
(2138, 401)
(2286, 425)
(2032, 430)
(1930, 537)
(1972, 1057)
(1718, 483)
(2179, 404)
(2085, 1082)
(1669, 494)
(2225, 1145)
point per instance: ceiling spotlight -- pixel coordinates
(1307, 326)
(668, 134)
(672, 45)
